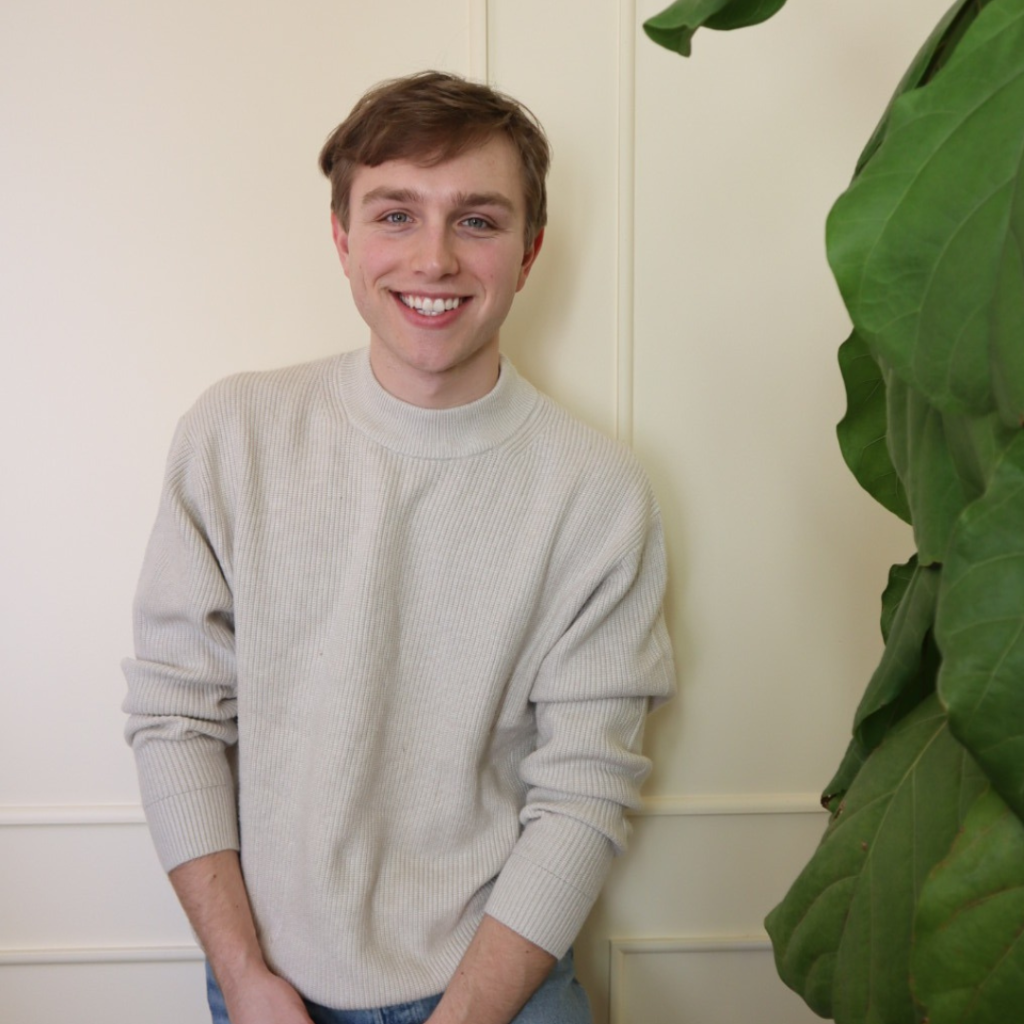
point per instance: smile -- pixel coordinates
(428, 306)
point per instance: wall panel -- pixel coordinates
(104, 994)
(85, 885)
(164, 224)
(697, 876)
(700, 981)
(779, 558)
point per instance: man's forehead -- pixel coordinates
(486, 174)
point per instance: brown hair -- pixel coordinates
(428, 118)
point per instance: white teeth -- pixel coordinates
(428, 306)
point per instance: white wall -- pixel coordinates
(163, 223)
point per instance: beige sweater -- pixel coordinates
(401, 659)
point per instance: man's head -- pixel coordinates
(427, 119)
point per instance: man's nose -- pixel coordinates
(435, 252)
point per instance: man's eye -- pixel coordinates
(477, 223)
(396, 218)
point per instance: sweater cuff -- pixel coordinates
(550, 882)
(190, 825)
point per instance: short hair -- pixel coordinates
(430, 117)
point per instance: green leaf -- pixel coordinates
(929, 61)
(980, 628)
(925, 242)
(674, 27)
(937, 489)
(1006, 320)
(851, 764)
(976, 445)
(968, 957)
(862, 431)
(900, 578)
(906, 673)
(842, 934)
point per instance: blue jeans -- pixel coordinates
(560, 1000)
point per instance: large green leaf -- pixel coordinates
(930, 59)
(674, 27)
(842, 934)
(862, 431)
(925, 242)
(968, 958)
(937, 489)
(980, 628)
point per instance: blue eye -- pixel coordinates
(396, 218)
(477, 222)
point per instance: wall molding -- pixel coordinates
(100, 955)
(621, 949)
(681, 806)
(684, 806)
(36, 815)
(626, 257)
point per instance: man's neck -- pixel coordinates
(459, 385)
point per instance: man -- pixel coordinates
(399, 621)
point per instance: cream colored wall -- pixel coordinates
(162, 223)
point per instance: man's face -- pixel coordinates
(434, 256)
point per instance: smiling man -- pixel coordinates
(399, 622)
(435, 255)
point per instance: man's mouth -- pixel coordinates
(428, 306)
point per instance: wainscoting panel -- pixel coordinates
(68, 887)
(697, 875)
(90, 993)
(700, 980)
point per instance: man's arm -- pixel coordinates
(496, 977)
(212, 891)
(591, 698)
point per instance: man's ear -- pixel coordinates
(340, 241)
(529, 257)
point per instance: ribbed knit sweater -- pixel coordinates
(401, 659)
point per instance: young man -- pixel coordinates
(399, 622)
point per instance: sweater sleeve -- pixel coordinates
(181, 683)
(591, 698)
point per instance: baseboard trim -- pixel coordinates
(730, 804)
(71, 815)
(99, 955)
(45, 815)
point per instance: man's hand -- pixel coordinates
(264, 999)
(495, 979)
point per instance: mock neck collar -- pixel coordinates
(433, 433)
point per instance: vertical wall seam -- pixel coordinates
(625, 327)
(479, 43)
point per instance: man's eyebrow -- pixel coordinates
(461, 200)
(464, 200)
(392, 195)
